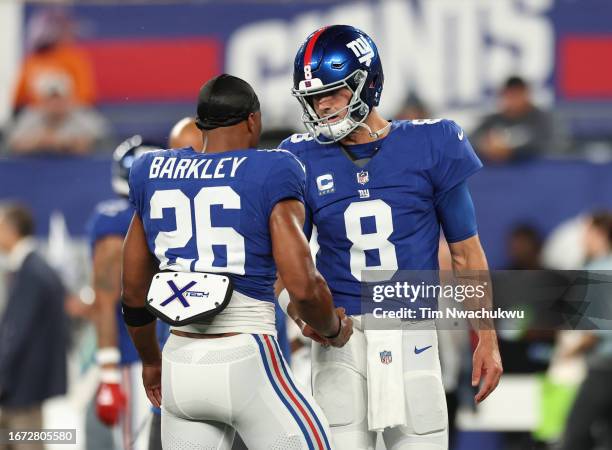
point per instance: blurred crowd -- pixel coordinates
(54, 101)
(54, 113)
(54, 105)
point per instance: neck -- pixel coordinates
(361, 135)
(225, 139)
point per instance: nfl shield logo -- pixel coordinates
(363, 177)
(385, 357)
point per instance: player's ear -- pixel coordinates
(254, 122)
(254, 127)
(251, 123)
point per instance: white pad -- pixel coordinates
(425, 401)
(180, 298)
(340, 392)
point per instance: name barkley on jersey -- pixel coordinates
(169, 168)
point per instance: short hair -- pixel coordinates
(515, 82)
(19, 216)
(603, 221)
(527, 231)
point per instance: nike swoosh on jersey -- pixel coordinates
(420, 350)
(460, 135)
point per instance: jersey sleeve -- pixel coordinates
(453, 156)
(455, 210)
(135, 181)
(286, 180)
(109, 219)
(287, 145)
(296, 144)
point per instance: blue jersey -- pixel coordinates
(382, 216)
(210, 212)
(112, 218)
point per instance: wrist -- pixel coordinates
(487, 337)
(110, 376)
(333, 336)
(108, 356)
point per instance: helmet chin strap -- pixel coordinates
(375, 134)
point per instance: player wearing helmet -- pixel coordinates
(120, 401)
(378, 193)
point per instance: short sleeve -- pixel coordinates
(453, 155)
(296, 144)
(110, 218)
(456, 213)
(135, 183)
(287, 145)
(286, 180)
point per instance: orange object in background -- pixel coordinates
(63, 60)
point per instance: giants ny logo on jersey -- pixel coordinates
(362, 50)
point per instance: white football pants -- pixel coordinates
(214, 387)
(340, 388)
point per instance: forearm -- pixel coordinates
(138, 270)
(105, 320)
(316, 309)
(307, 289)
(470, 268)
(145, 341)
(106, 284)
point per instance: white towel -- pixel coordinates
(386, 399)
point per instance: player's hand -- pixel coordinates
(110, 403)
(151, 377)
(487, 365)
(346, 329)
(310, 332)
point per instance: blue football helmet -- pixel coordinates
(331, 58)
(123, 158)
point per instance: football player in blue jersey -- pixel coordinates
(120, 402)
(216, 226)
(378, 193)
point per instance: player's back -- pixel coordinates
(210, 212)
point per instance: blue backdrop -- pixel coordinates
(542, 193)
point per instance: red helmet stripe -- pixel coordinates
(311, 44)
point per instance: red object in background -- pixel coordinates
(585, 67)
(153, 69)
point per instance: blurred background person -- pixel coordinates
(589, 424)
(524, 248)
(185, 134)
(56, 124)
(33, 328)
(414, 108)
(518, 129)
(120, 403)
(50, 39)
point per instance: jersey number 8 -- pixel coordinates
(370, 241)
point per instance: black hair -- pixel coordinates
(224, 101)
